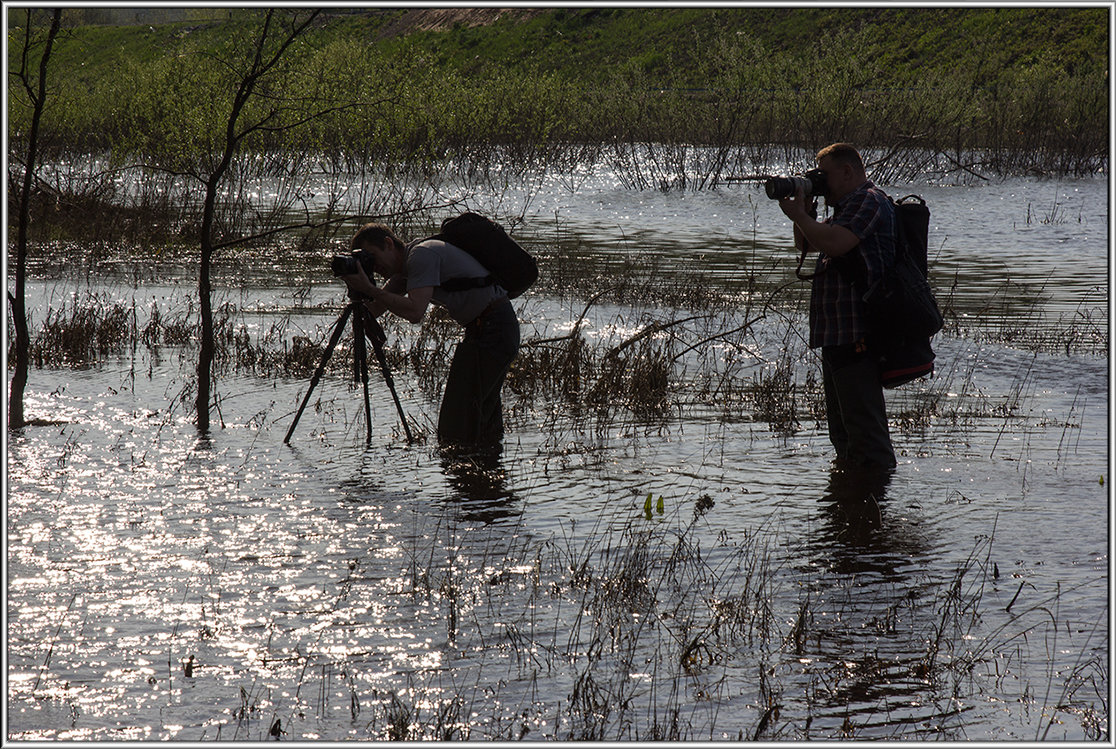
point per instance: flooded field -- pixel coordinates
(676, 567)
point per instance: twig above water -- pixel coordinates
(577, 325)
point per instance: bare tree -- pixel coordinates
(34, 84)
(268, 50)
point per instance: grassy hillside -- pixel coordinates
(587, 44)
(1027, 85)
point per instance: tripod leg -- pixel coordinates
(391, 386)
(360, 364)
(378, 337)
(337, 331)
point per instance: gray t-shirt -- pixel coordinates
(432, 262)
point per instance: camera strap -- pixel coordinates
(806, 251)
(802, 261)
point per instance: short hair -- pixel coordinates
(375, 234)
(843, 153)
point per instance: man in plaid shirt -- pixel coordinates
(857, 241)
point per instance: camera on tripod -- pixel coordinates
(813, 183)
(345, 265)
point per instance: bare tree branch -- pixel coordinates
(328, 222)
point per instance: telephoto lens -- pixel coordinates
(785, 187)
(812, 182)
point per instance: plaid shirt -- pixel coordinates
(836, 305)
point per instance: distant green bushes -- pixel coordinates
(404, 101)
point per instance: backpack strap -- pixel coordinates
(464, 283)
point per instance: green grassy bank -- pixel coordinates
(585, 44)
(1025, 86)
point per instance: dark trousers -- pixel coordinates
(855, 408)
(471, 416)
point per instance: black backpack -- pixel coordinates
(903, 314)
(507, 263)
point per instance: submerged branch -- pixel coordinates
(650, 330)
(577, 325)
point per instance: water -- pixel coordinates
(364, 592)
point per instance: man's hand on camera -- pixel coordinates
(797, 208)
(832, 239)
(360, 285)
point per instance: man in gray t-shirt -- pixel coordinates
(471, 414)
(433, 262)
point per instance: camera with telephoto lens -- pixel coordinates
(812, 183)
(345, 265)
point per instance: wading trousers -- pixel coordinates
(471, 416)
(855, 409)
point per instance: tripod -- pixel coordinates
(362, 322)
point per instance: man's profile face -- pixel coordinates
(383, 257)
(838, 178)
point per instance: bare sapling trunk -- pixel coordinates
(206, 347)
(36, 92)
(265, 59)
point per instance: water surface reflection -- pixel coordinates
(864, 627)
(479, 483)
(368, 592)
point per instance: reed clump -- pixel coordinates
(83, 330)
(555, 368)
(163, 331)
(84, 201)
(774, 396)
(638, 378)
